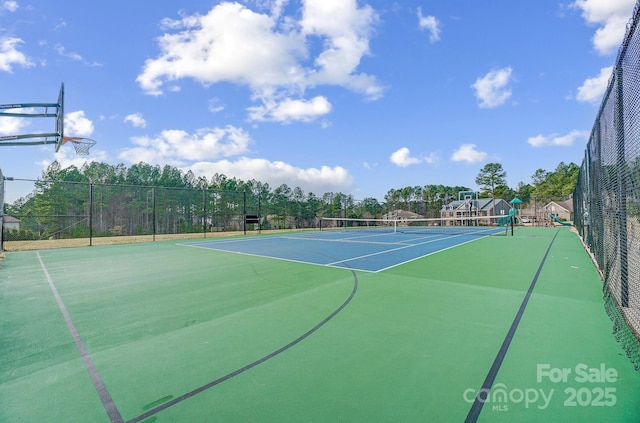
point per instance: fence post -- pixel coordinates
(153, 212)
(204, 212)
(259, 214)
(90, 214)
(622, 189)
(244, 211)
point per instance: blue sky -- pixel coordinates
(344, 96)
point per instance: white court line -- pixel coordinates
(96, 379)
(272, 257)
(429, 254)
(409, 246)
(402, 248)
(336, 264)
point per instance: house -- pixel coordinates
(401, 215)
(10, 223)
(562, 209)
(474, 208)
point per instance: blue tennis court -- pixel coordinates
(369, 251)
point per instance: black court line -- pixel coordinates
(250, 365)
(477, 405)
(98, 383)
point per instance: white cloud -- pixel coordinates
(611, 16)
(176, 147)
(493, 89)
(10, 55)
(369, 166)
(61, 24)
(13, 125)
(215, 105)
(136, 120)
(9, 5)
(431, 24)
(468, 153)
(592, 89)
(221, 150)
(61, 51)
(344, 30)
(270, 54)
(324, 179)
(402, 158)
(77, 125)
(432, 158)
(555, 140)
(230, 43)
(290, 110)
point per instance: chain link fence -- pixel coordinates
(607, 195)
(83, 213)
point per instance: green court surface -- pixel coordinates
(160, 333)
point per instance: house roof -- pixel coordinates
(10, 219)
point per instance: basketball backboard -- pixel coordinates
(60, 118)
(44, 110)
(467, 195)
(35, 110)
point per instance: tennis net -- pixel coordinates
(472, 225)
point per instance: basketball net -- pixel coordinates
(81, 145)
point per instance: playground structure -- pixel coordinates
(554, 218)
(550, 219)
(547, 219)
(513, 218)
(514, 211)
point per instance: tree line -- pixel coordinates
(188, 203)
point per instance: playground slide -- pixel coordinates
(555, 218)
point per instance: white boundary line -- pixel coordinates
(335, 264)
(98, 383)
(431, 253)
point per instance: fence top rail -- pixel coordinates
(104, 184)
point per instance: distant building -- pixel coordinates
(401, 215)
(562, 209)
(474, 208)
(10, 223)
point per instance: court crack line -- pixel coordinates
(253, 364)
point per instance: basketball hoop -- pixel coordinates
(81, 145)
